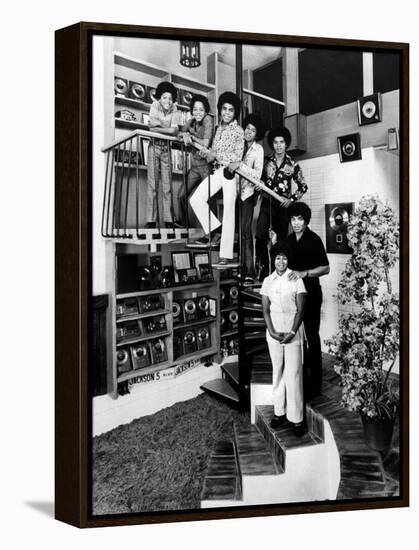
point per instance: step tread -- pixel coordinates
(254, 455)
(222, 478)
(232, 370)
(252, 294)
(222, 387)
(284, 435)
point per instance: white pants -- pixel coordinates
(199, 203)
(287, 378)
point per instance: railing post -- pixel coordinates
(105, 193)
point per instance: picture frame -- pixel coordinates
(78, 346)
(182, 262)
(349, 147)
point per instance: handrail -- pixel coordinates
(257, 94)
(145, 133)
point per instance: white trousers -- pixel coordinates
(287, 378)
(207, 219)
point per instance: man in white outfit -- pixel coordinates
(227, 147)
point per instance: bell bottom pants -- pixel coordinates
(207, 219)
(287, 379)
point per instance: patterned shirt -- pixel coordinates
(163, 119)
(228, 143)
(279, 178)
(253, 165)
(201, 130)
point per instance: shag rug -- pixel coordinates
(158, 462)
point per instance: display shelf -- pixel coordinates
(195, 355)
(130, 102)
(188, 82)
(228, 282)
(136, 316)
(151, 336)
(197, 323)
(191, 286)
(139, 65)
(139, 372)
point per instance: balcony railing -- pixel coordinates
(124, 209)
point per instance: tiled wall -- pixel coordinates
(331, 181)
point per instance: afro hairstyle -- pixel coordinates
(164, 87)
(229, 97)
(279, 131)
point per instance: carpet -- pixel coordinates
(158, 462)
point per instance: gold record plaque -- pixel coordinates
(337, 218)
(369, 109)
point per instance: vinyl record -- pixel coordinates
(234, 293)
(159, 346)
(140, 352)
(369, 109)
(137, 91)
(122, 357)
(338, 219)
(150, 94)
(190, 307)
(203, 334)
(233, 317)
(176, 309)
(349, 148)
(145, 274)
(120, 86)
(189, 337)
(203, 304)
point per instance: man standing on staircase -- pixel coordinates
(308, 261)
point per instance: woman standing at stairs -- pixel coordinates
(283, 304)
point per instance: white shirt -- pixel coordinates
(282, 294)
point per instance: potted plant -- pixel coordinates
(367, 342)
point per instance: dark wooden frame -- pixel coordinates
(73, 112)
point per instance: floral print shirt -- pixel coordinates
(279, 178)
(228, 143)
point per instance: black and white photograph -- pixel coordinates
(246, 243)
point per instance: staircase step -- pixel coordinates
(255, 335)
(232, 372)
(283, 439)
(254, 456)
(222, 479)
(253, 308)
(221, 388)
(251, 294)
(261, 373)
(254, 322)
(255, 349)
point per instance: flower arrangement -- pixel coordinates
(367, 340)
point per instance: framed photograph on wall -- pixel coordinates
(149, 381)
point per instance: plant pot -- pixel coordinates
(378, 432)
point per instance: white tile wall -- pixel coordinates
(331, 181)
